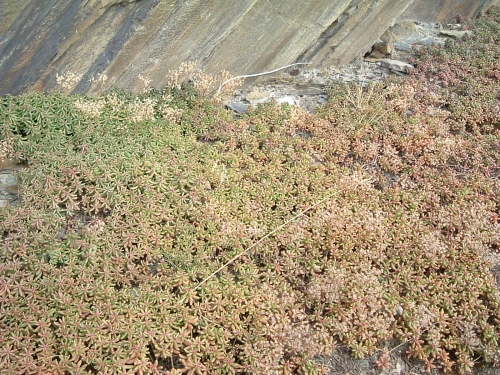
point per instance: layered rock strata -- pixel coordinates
(89, 46)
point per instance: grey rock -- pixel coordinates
(258, 97)
(319, 80)
(376, 55)
(402, 46)
(431, 40)
(285, 99)
(399, 310)
(398, 66)
(3, 178)
(359, 63)
(444, 10)
(238, 107)
(306, 90)
(385, 48)
(456, 34)
(403, 29)
(123, 39)
(388, 36)
(109, 3)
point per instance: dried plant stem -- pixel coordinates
(262, 239)
(258, 74)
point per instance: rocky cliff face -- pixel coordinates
(80, 46)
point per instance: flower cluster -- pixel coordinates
(68, 80)
(207, 85)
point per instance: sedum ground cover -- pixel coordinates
(158, 234)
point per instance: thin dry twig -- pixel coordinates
(258, 74)
(262, 239)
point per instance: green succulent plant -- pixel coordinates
(157, 234)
